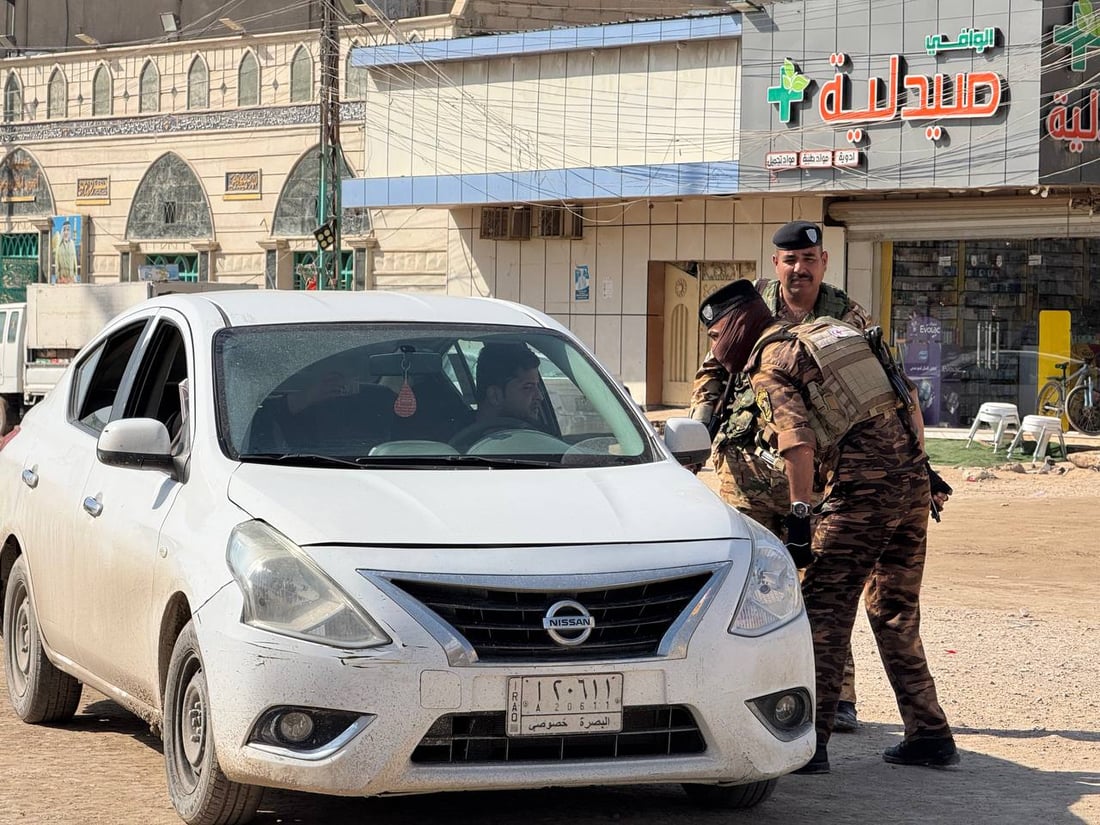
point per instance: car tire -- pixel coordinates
(200, 792)
(39, 692)
(730, 797)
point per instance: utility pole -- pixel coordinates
(328, 201)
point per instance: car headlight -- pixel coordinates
(772, 595)
(286, 592)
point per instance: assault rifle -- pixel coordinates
(901, 390)
(721, 410)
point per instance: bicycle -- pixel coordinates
(1075, 396)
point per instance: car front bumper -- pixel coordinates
(405, 687)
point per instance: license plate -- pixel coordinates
(565, 705)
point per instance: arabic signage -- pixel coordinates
(20, 179)
(912, 108)
(93, 191)
(1070, 120)
(240, 186)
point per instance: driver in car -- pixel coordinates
(509, 392)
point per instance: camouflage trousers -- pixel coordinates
(748, 484)
(873, 533)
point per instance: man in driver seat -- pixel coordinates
(508, 390)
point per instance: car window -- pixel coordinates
(372, 392)
(12, 327)
(98, 376)
(160, 384)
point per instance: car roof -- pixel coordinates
(271, 306)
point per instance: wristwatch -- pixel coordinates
(800, 509)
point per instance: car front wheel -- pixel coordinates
(39, 692)
(730, 797)
(200, 792)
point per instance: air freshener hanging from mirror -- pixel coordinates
(405, 404)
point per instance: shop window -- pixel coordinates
(301, 76)
(186, 263)
(57, 95)
(198, 85)
(306, 271)
(150, 88)
(13, 98)
(248, 81)
(102, 91)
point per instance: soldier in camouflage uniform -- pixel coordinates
(745, 480)
(823, 396)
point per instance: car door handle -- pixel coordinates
(93, 506)
(30, 478)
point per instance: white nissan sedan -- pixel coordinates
(344, 543)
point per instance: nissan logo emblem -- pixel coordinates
(568, 622)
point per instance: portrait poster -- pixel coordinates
(66, 249)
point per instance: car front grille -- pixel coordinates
(467, 738)
(505, 625)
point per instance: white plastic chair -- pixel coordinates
(998, 415)
(1041, 427)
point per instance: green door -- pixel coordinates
(18, 265)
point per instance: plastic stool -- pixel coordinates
(1042, 427)
(999, 416)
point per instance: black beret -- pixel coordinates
(797, 235)
(726, 299)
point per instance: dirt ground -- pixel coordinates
(1011, 626)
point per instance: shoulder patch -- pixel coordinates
(764, 404)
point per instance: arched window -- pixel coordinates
(57, 95)
(198, 85)
(13, 98)
(102, 91)
(301, 76)
(355, 85)
(150, 88)
(248, 81)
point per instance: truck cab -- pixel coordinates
(13, 323)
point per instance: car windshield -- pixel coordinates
(419, 395)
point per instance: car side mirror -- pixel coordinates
(138, 443)
(688, 440)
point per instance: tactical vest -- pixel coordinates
(854, 388)
(740, 426)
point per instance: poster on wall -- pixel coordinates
(66, 249)
(581, 282)
(159, 272)
(923, 357)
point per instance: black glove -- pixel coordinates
(938, 485)
(798, 540)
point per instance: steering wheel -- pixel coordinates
(472, 433)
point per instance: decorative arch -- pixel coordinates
(170, 203)
(102, 91)
(57, 94)
(149, 87)
(198, 84)
(248, 80)
(301, 76)
(24, 188)
(296, 211)
(355, 83)
(13, 98)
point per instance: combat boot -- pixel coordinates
(939, 752)
(845, 720)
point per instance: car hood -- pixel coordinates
(647, 503)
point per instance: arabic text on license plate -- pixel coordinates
(560, 705)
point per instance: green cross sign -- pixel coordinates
(1082, 35)
(791, 89)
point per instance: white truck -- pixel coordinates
(39, 338)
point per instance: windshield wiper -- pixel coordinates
(303, 459)
(495, 462)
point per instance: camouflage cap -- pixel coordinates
(797, 235)
(726, 299)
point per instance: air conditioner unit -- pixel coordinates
(506, 223)
(561, 222)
